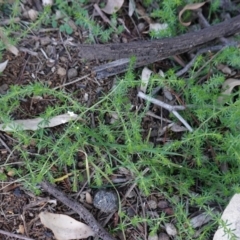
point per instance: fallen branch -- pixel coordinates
(147, 52)
(78, 208)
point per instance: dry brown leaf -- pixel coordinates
(113, 6)
(65, 227)
(3, 66)
(89, 199)
(141, 11)
(131, 7)
(36, 123)
(227, 89)
(193, 6)
(146, 74)
(21, 229)
(224, 68)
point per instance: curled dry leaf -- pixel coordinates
(227, 89)
(113, 6)
(3, 66)
(34, 124)
(65, 227)
(224, 68)
(193, 6)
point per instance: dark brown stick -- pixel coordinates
(147, 52)
(78, 208)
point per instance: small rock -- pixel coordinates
(45, 41)
(163, 236)
(152, 204)
(3, 88)
(154, 237)
(169, 211)
(152, 214)
(131, 211)
(33, 14)
(170, 229)
(106, 201)
(141, 26)
(61, 71)
(63, 59)
(72, 72)
(124, 40)
(162, 204)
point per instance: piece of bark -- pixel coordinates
(78, 208)
(147, 52)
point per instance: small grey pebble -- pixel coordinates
(141, 27)
(163, 236)
(124, 40)
(3, 88)
(162, 204)
(155, 237)
(170, 229)
(45, 41)
(131, 212)
(152, 204)
(72, 72)
(106, 201)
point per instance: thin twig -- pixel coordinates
(201, 51)
(78, 208)
(5, 145)
(69, 83)
(18, 236)
(151, 114)
(180, 118)
(134, 185)
(69, 56)
(103, 16)
(26, 50)
(203, 21)
(170, 108)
